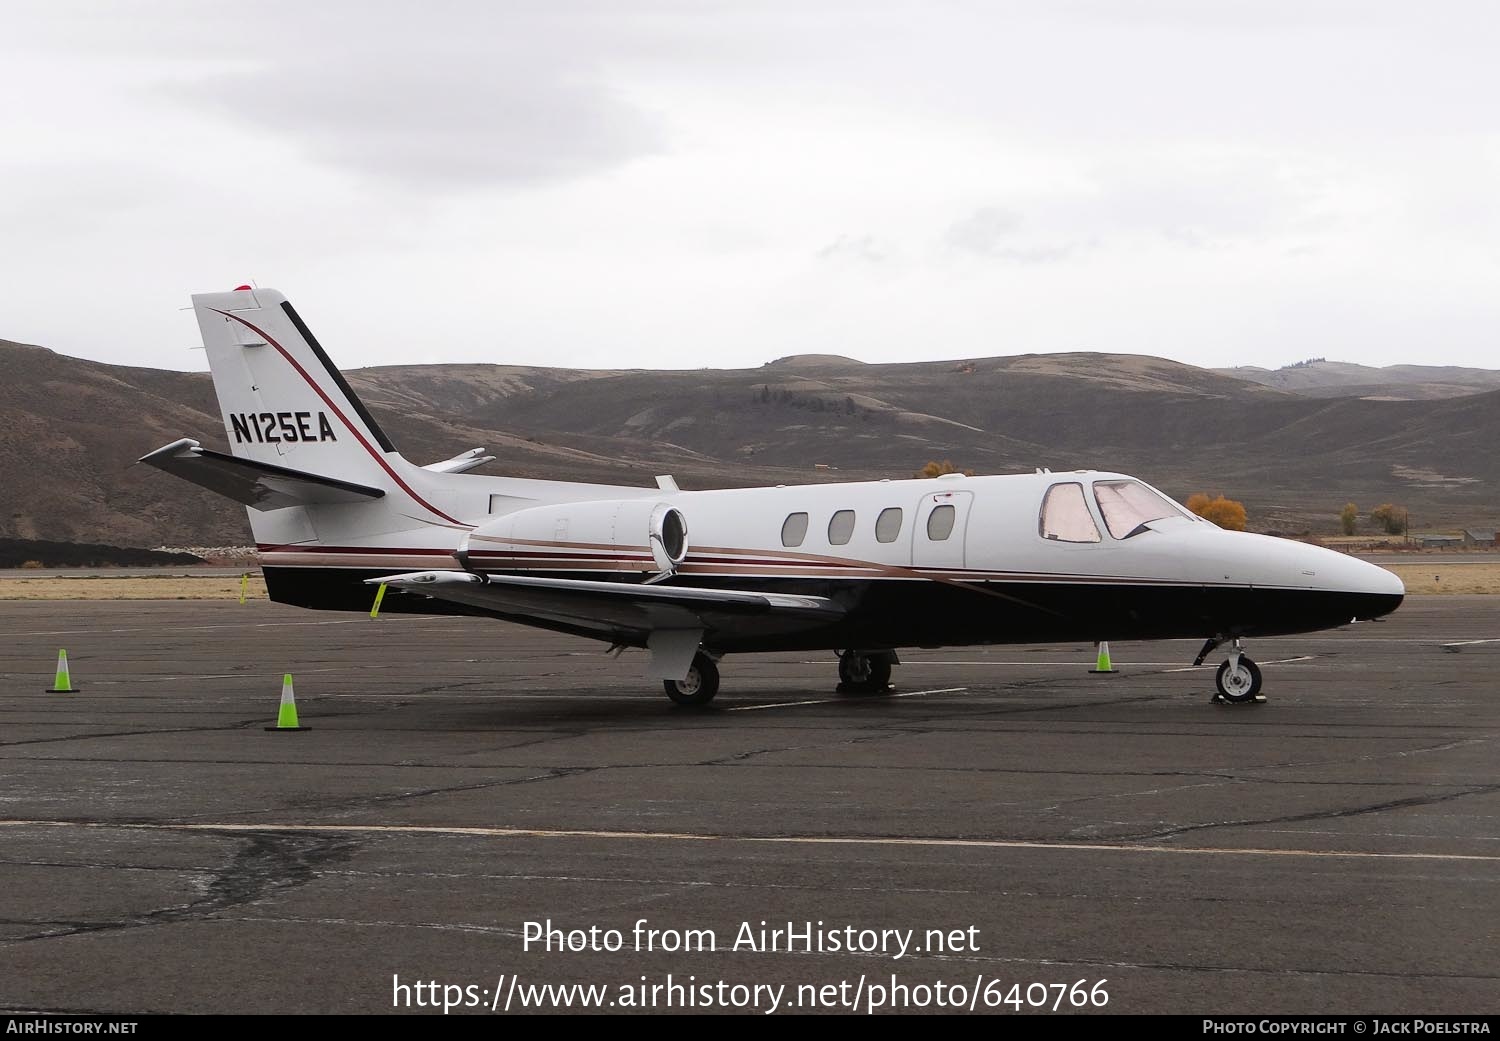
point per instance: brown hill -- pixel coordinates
(70, 431)
(1320, 378)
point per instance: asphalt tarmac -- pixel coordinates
(1334, 850)
(168, 571)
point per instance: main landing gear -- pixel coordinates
(865, 672)
(699, 686)
(860, 672)
(1238, 679)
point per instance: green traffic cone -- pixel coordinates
(63, 683)
(286, 716)
(1103, 666)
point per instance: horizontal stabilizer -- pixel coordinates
(261, 486)
(461, 463)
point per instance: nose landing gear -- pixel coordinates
(1238, 678)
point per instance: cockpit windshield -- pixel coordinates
(1128, 506)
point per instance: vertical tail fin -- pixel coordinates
(281, 396)
(284, 403)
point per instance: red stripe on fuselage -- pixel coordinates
(344, 419)
(726, 565)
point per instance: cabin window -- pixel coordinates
(840, 528)
(888, 524)
(1128, 506)
(1065, 515)
(794, 529)
(940, 522)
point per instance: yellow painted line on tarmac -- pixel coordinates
(781, 840)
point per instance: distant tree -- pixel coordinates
(936, 469)
(1226, 513)
(1389, 518)
(1349, 518)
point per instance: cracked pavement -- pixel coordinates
(1334, 850)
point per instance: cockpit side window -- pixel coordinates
(1065, 515)
(1128, 506)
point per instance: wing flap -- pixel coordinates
(261, 486)
(615, 609)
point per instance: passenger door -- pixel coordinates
(938, 534)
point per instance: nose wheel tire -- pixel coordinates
(863, 674)
(1238, 680)
(699, 686)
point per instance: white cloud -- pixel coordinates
(463, 120)
(687, 183)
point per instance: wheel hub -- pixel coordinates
(1237, 679)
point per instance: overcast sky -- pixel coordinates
(684, 184)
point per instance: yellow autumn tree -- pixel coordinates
(1226, 513)
(937, 469)
(1390, 518)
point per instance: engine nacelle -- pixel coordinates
(640, 535)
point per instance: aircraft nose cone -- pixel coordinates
(1353, 588)
(1386, 582)
(1378, 591)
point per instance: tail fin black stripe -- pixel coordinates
(338, 378)
(345, 420)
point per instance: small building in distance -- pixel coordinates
(1479, 537)
(1433, 541)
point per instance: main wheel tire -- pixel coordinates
(1238, 685)
(863, 674)
(699, 686)
(854, 669)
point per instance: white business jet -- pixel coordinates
(690, 576)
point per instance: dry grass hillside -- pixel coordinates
(1320, 378)
(70, 431)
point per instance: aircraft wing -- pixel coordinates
(261, 486)
(669, 620)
